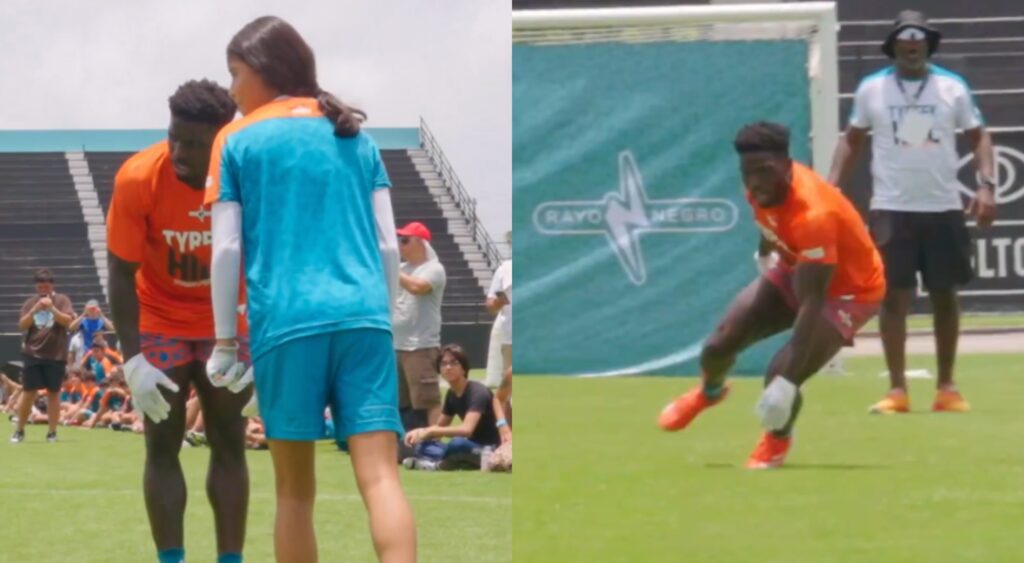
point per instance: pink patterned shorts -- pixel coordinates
(165, 352)
(846, 315)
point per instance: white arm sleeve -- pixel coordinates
(225, 266)
(387, 239)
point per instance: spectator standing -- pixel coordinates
(498, 357)
(417, 321)
(45, 318)
(91, 322)
(913, 110)
(499, 301)
(76, 349)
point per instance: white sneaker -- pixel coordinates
(420, 464)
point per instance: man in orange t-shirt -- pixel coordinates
(821, 276)
(158, 235)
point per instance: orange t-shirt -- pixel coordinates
(69, 391)
(110, 393)
(816, 223)
(89, 392)
(161, 223)
(109, 360)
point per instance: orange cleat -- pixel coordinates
(950, 400)
(679, 413)
(895, 401)
(770, 452)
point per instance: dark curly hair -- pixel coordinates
(763, 136)
(202, 101)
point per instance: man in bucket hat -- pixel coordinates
(913, 109)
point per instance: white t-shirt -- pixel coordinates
(417, 320)
(914, 158)
(502, 281)
(76, 346)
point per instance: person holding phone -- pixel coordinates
(44, 320)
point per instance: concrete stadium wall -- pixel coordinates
(100, 140)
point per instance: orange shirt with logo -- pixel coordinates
(161, 223)
(816, 223)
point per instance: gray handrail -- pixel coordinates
(463, 200)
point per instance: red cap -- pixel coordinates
(415, 229)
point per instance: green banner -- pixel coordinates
(632, 234)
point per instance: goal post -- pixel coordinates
(822, 63)
(632, 230)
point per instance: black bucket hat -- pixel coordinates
(915, 19)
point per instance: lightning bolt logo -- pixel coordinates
(623, 216)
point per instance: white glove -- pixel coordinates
(766, 262)
(224, 369)
(143, 380)
(252, 408)
(776, 403)
(242, 382)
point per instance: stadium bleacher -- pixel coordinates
(412, 201)
(42, 224)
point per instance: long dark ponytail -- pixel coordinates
(275, 50)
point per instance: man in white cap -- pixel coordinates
(91, 322)
(417, 321)
(913, 110)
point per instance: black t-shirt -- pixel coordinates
(476, 397)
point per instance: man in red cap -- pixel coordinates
(417, 321)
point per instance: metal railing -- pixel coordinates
(465, 202)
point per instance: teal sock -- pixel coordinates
(229, 558)
(175, 555)
(712, 391)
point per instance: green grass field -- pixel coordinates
(967, 322)
(597, 481)
(81, 500)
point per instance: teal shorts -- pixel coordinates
(351, 371)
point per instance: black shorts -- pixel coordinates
(935, 244)
(42, 374)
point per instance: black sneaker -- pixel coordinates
(51, 436)
(18, 437)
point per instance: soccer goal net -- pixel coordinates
(632, 232)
